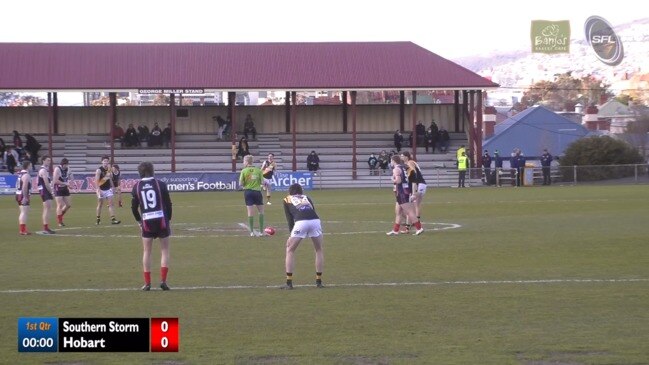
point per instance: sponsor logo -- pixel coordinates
(606, 44)
(550, 36)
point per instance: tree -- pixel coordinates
(564, 92)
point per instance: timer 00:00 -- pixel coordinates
(38, 342)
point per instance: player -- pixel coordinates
(61, 178)
(402, 192)
(23, 189)
(268, 169)
(151, 207)
(303, 222)
(116, 173)
(251, 180)
(104, 190)
(45, 190)
(416, 181)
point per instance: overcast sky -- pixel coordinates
(454, 29)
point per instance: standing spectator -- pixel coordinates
(486, 166)
(313, 162)
(32, 147)
(373, 164)
(155, 138)
(154, 220)
(433, 127)
(498, 164)
(420, 129)
(303, 222)
(250, 180)
(444, 139)
(118, 134)
(546, 161)
(518, 167)
(222, 125)
(45, 190)
(11, 159)
(267, 170)
(431, 140)
(249, 127)
(243, 149)
(61, 181)
(462, 166)
(23, 189)
(18, 143)
(130, 137)
(143, 133)
(166, 135)
(398, 140)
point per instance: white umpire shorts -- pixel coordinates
(308, 228)
(267, 183)
(421, 189)
(105, 194)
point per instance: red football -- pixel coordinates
(269, 231)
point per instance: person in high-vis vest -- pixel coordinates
(462, 166)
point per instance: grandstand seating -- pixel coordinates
(203, 152)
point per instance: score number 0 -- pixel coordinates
(164, 334)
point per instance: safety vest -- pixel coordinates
(462, 163)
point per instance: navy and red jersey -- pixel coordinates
(42, 184)
(104, 181)
(402, 189)
(298, 208)
(116, 178)
(19, 186)
(59, 189)
(151, 205)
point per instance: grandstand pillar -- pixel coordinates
(456, 109)
(52, 105)
(294, 128)
(172, 108)
(344, 97)
(590, 119)
(413, 126)
(402, 110)
(112, 118)
(489, 119)
(354, 173)
(478, 130)
(287, 109)
(233, 128)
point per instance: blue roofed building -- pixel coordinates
(533, 130)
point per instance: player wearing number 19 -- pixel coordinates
(151, 206)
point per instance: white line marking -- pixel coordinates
(344, 285)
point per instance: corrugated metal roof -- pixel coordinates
(230, 66)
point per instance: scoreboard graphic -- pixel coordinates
(51, 334)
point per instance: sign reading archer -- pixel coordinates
(550, 36)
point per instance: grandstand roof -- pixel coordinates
(230, 67)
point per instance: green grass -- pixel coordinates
(554, 275)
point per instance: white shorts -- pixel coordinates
(308, 228)
(105, 194)
(267, 183)
(421, 189)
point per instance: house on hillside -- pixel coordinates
(616, 113)
(533, 130)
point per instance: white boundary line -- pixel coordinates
(347, 285)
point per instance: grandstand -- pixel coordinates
(203, 152)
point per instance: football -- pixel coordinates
(269, 231)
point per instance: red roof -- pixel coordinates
(230, 66)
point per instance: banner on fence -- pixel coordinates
(209, 181)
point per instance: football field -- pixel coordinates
(540, 275)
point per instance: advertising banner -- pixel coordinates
(7, 184)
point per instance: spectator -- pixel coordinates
(3, 149)
(118, 134)
(18, 143)
(166, 135)
(462, 166)
(313, 162)
(433, 127)
(143, 133)
(32, 147)
(444, 139)
(11, 159)
(130, 137)
(223, 125)
(398, 140)
(431, 140)
(546, 162)
(384, 160)
(249, 127)
(155, 138)
(243, 149)
(421, 132)
(373, 163)
(486, 166)
(498, 164)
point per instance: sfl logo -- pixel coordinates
(606, 44)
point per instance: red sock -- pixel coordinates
(147, 278)
(23, 227)
(59, 218)
(418, 225)
(396, 227)
(46, 227)
(163, 274)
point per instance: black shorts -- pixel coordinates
(403, 196)
(46, 195)
(62, 191)
(253, 197)
(156, 228)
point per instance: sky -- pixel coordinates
(451, 29)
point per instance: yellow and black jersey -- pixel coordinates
(414, 173)
(298, 208)
(104, 178)
(268, 168)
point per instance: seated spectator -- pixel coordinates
(443, 140)
(249, 127)
(130, 137)
(155, 138)
(143, 133)
(243, 149)
(373, 163)
(18, 143)
(118, 134)
(166, 135)
(11, 159)
(313, 161)
(32, 147)
(384, 160)
(398, 140)
(431, 139)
